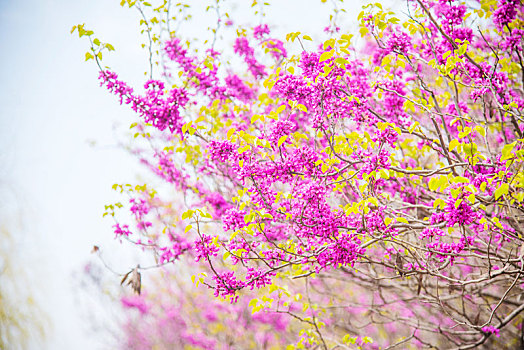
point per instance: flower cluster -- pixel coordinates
(238, 88)
(491, 330)
(121, 230)
(157, 107)
(242, 48)
(398, 41)
(260, 30)
(204, 248)
(203, 79)
(505, 13)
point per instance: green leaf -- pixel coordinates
(480, 130)
(470, 148)
(208, 65)
(281, 140)
(462, 49)
(439, 202)
(302, 107)
(402, 220)
(230, 132)
(433, 184)
(326, 55)
(394, 20)
(280, 109)
(341, 61)
(367, 340)
(248, 218)
(461, 179)
(453, 144)
(502, 190)
(506, 151)
(226, 255)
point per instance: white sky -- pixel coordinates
(50, 106)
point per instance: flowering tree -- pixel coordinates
(370, 193)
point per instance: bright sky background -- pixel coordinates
(51, 112)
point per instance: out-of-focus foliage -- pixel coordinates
(172, 314)
(21, 319)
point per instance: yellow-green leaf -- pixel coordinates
(506, 151)
(453, 144)
(230, 132)
(402, 220)
(326, 55)
(461, 179)
(502, 190)
(281, 140)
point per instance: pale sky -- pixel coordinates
(51, 105)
